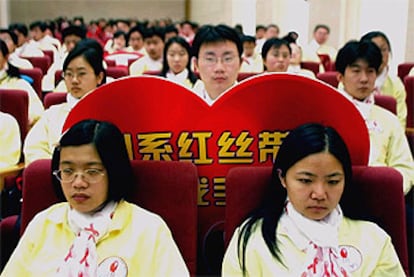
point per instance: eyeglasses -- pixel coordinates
(90, 175)
(213, 60)
(69, 75)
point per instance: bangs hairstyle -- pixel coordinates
(211, 34)
(92, 52)
(354, 50)
(110, 145)
(275, 43)
(305, 140)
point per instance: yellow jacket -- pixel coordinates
(366, 242)
(138, 240)
(394, 87)
(35, 104)
(389, 145)
(45, 134)
(10, 142)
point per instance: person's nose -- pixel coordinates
(78, 182)
(364, 76)
(318, 191)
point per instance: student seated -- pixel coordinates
(83, 72)
(96, 232)
(358, 64)
(176, 65)
(300, 228)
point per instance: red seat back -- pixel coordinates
(403, 69)
(328, 77)
(117, 71)
(41, 62)
(387, 102)
(166, 188)
(380, 189)
(313, 66)
(54, 98)
(244, 75)
(16, 103)
(409, 88)
(50, 54)
(37, 75)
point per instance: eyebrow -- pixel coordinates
(72, 163)
(334, 174)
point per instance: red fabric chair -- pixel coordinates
(380, 191)
(409, 88)
(58, 76)
(16, 103)
(166, 188)
(50, 54)
(152, 72)
(117, 71)
(325, 61)
(53, 98)
(313, 66)
(37, 75)
(387, 102)
(328, 77)
(403, 69)
(41, 62)
(244, 75)
(110, 63)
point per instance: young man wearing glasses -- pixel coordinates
(217, 58)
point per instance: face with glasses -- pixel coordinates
(80, 78)
(277, 59)
(218, 64)
(83, 177)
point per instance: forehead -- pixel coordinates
(72, 37)
(361, 63)
(78, 62)
(218, 48)
(176, 46)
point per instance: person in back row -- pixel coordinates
(10, 79)
(177, 62)
(154, 42)
(358, 63)
(217, 57)
(83, 72)
(95, 231)
(386, 84)
(302, 227)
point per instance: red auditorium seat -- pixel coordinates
(380, 191)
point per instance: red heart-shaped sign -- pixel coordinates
(165, 121)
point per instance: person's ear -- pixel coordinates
(281, 178)
(195, 63)
(99, 78)
(339, 77)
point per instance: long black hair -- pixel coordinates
(181, 41)
(12, 71)
(305, 140)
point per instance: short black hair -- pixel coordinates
(219, 33)
(110, 145)
(78, 31)
(354, 50)
(375, 34)
(12, 34)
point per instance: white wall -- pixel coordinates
(390, 17)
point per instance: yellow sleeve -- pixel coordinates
(231, 265)
(388, 263)
(10, 146)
